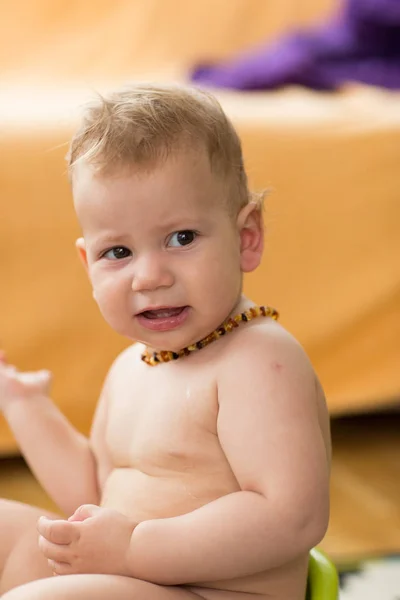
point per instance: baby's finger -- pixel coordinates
(60, 568)
(58, 531)
(85, 511)
(57, 552)
(35, 377)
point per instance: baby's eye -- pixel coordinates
(117, 253)
(182, 238)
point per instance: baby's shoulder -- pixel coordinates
(125, 361)
(265, 345)
(264, 362)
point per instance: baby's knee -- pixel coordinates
(20, 514)
(25, 562)
(9, 506)
(21, 559)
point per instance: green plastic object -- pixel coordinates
(323, 581)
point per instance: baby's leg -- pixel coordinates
(97, 587)
(20, 557)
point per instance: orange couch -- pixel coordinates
(332, 258)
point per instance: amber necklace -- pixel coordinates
(155, 358)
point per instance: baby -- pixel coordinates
(206, 474)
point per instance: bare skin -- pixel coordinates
(152, 467)
(205, 477)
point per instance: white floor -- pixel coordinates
(378, 581)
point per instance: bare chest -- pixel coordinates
(160, 423)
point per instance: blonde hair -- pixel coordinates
(143, 124)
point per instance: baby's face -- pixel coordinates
(162, 251)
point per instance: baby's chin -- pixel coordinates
(155, 341)
(168, 342)
(174, 340)
(164, 344)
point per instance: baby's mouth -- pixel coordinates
(163, 313)
(163, 319)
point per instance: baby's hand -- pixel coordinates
(14, 384)
(92, 540)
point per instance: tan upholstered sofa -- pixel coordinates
(332, 263)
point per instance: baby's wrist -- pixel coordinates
(134, 551)
(7, 405)
(17, 402)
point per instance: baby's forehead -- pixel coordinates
(153, 200)
(178, 182)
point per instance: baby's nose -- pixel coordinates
(151, 273)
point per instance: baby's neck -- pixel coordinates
(240, 306)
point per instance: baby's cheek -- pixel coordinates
(226, 272)
(109, 302)
(221, 288)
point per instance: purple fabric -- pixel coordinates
(362, 44)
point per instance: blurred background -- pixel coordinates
(313, 88)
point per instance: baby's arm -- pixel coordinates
(60, 457)
(269, 430)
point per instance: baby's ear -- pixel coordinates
(81, 248)
(251, 230)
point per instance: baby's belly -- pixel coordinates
(142, 497)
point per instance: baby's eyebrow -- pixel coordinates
(110, 239)
(179, 223)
